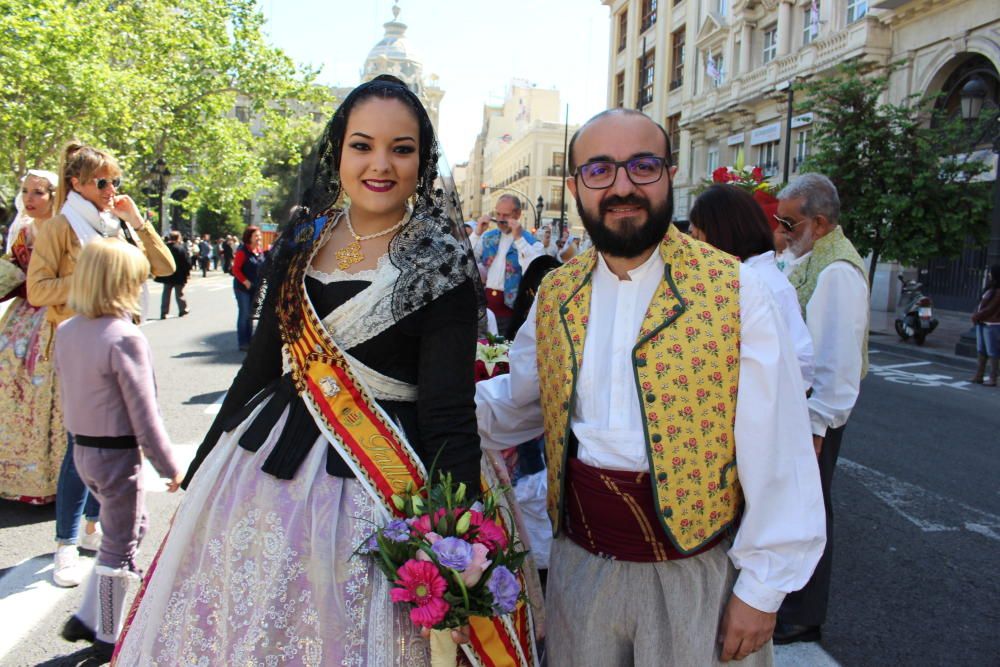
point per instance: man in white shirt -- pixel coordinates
(829, 278)
(505, 253)
(682, 488)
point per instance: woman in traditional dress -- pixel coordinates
(361, 370)
(88, 206)
(32, 438)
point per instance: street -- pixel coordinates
(916, 502)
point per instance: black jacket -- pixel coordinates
(183, 263)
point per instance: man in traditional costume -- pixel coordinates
(514, 246)
(829, 277)
(675, 426)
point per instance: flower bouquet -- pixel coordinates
(492, 357)
(449, 560)
(749, 178)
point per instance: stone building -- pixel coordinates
(519, 150)
(716, 74)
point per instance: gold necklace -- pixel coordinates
(352, 254)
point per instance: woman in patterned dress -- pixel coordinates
(260, 566)
(32, 437)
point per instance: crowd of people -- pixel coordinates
(678, 401)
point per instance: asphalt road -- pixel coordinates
(917, 507)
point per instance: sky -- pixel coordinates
(476, 47)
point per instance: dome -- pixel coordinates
(393, 45)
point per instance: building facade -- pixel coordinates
(520, 151)
(717, 73)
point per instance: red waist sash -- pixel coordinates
(611, 513)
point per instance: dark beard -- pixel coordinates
(631, 240)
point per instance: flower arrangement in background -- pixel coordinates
(749, 178)
(492, 357)
(448, 559)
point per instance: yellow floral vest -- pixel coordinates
(686, 366)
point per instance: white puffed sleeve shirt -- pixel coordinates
(782, 532)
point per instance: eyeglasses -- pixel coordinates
(788, 224)
(102, 183)
(601, 174)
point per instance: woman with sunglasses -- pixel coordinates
(731, 220)
(88, 207)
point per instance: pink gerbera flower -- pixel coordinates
(420, 583)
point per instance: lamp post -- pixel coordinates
(160, 177)
(539, 209)
(973, 96)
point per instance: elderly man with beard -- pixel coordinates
(829, 277)
(683, 493)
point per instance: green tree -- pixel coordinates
(907, 193)
(149, 79)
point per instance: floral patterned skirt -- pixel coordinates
(262, 571)
(32, 436)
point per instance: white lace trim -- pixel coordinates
(338, 276)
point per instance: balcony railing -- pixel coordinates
(555, 170)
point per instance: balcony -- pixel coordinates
(867, 38)
(555, 170)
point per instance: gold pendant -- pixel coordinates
(349, 255)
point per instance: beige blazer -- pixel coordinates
(54, 256)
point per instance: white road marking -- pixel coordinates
(214, 408)
(183, 455)
(27, 596)
(910, 500)
(895, 373)
(809, 654)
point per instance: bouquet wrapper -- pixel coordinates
(444, 650)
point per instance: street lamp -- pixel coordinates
(160, 177)
(973, 96)
(539, 209)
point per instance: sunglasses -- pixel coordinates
(102, 183)
(788, 224)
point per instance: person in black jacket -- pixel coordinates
(178, 279)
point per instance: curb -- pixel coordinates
(930, 355)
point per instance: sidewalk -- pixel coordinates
(939, 345)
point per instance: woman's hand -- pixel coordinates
(247, 284)
(125, 208)
(458, 635)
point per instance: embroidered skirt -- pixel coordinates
(260, 570)
(32, 436)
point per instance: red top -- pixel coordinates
(238, 260)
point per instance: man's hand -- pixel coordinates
(482, 225)
(744, 630)
(516, 229)
(818, 444)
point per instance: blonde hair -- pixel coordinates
(82, 162)
(108, 278)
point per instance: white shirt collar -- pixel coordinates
(761, 259)
(655, 262)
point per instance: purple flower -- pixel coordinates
(370, 545)
(396, 530)
(453, 552)
(505, 589)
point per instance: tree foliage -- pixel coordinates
(907, 193)
(149, 79)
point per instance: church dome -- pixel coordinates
(394, 55)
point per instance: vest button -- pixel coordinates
(640, 362)
(656, 437)
(650, 397)
(565, 405)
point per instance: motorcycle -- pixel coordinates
(914, 312)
